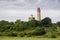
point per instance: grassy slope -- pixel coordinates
(27, 38)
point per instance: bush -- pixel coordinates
(53, 36)
(25, 33)
(13, 34)
(29, 34)
(0, 34)
(21, 35)
(39, 31)
(50, 34)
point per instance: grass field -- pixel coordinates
(27, 38)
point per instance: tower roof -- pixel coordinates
(38, 9)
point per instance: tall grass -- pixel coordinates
(27, 38)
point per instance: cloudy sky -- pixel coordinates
(12, 10)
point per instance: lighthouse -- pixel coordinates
(38, 14)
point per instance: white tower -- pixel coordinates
(38, 14)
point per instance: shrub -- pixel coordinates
(53, 36)
(13, 34)
(0, 34)
(39, 31)
(25, 33)
(50, 34)
(29, 34)
(21, 35)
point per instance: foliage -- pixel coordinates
(33, 23)
(58, 23)
(46, 22)
(39, 31)
(20, 28)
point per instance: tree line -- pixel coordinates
(43, 28)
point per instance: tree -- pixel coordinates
(20, 25)
(3, 22)
(58, 23)
(33, 23)
(4, 25)
(46, 21)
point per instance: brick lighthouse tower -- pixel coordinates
(38, 14)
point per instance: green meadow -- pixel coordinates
(27, 38)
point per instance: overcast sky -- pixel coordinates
(12, 10)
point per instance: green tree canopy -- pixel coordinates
(33, 23)
(58, 23)
(46, 21)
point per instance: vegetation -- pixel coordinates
(27, 38)
(44, 28)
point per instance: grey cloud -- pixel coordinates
(50, 4)
(44, 4)
(18, 4)
(7, 0)
(31, 1)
